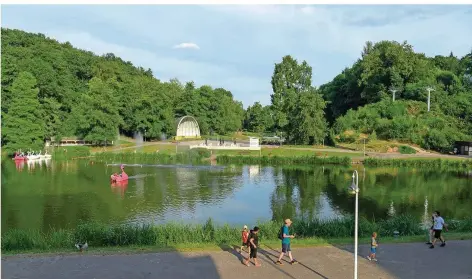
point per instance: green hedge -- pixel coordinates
(167, 235)
(404, 149)
(279, 160)
(424, 163)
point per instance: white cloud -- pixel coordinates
(187, 45)
(251, 38)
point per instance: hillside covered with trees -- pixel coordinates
(51, 89)
(359, 101)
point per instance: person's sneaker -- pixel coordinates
(429, 243)
(374, 260)
(431, 247)
(444, 244)
(369, 258)
(279, 263)
(294, 262)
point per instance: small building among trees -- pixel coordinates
(187, 128)
(463, 148)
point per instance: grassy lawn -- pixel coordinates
(380, 146)
(188, 247)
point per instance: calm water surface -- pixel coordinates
(63, 194)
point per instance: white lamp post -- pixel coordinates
(429, 88)
(354, 188)
(393, 90)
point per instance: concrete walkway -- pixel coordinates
(413, 260)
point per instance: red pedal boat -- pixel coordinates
(119, 177)
(19, 157)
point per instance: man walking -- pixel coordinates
(437, 228)
(286, 237)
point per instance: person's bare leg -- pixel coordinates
(281, 256)
(256, 262)
(290, 255)
(442, 239)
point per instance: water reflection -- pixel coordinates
(67, 193)
(119, 188)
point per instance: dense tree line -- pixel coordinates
(51, 89)
(359, 100)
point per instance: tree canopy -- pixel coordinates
(96, 97)
(50, 89)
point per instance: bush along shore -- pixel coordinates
(172, 234)
(195, 155)
(280, 160)
(423, 163)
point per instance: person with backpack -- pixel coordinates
(244, 238)
(286, 237)
(253, 243)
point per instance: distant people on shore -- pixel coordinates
(285, 236)
(438, 226)
(253, 245)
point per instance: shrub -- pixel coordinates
(170, 234)
(405, 149)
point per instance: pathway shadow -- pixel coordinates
(233, 250)
(146, 265)
(276, 255)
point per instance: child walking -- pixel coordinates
(373, 247)
(244, 239)
(253, 243)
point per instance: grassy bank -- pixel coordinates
(265, 244)
(424, 163)
(195, 155)
(174, 235)
(279, 160)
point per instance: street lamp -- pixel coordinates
(429, 89)
(393, 90)
(354, 189)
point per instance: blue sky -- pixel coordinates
(235, 47)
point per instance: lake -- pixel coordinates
(64, 194)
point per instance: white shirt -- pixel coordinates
(438, 223)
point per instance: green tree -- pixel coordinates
(97, 114)
(23, 125)
(288, 80)
(311, 123)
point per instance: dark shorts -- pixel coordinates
(253, 254)
(437, 233)
(245, 244)
(286, 248)
(373, 250)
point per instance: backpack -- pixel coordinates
(245, 236)
(281, 233)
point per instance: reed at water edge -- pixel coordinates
(422, 163)
(279, 160)
(171, 234)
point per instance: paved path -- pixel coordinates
(413, 260)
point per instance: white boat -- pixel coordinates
(32, 156)
(47, 156)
